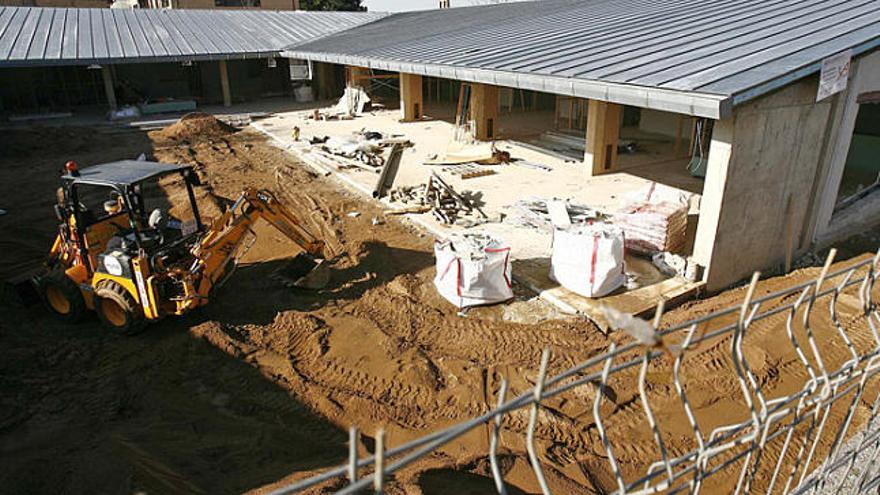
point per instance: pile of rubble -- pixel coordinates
(436, 196)
(534, 212)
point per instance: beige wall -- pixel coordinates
(763, 165)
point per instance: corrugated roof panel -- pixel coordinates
(23, 41)
(173, 40)
(717, 48)
(71, 35)
(51, 36)
(111, 34)
(84, 35)
(41, 35)
(766, 50)
(192, 40)
(56, 35)
(10, 33)
(153, 40)
(714, 39)
(126, 37)
(99, 37)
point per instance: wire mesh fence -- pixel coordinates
(805, 423)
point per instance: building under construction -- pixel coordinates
(768, 112)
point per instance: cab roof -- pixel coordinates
(122, 173)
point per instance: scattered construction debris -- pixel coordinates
(448, 206)
(674, 265)
(460, 153)
(353, 103)
(468, 171)
(532, 165)
(533, 212)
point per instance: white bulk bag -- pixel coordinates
(588, 259)
(473, 270)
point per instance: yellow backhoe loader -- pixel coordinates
(125, 252)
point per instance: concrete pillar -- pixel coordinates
(108, 86)
(224, 84)
(484, 111)
(603, 133)
(411, 104)
(714, 187)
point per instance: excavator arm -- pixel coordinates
(217, 251)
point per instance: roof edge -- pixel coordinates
(707, 105)
(796, 75)
(152, 59)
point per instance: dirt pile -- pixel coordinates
(193, 127)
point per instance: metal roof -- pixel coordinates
(72, 36)
(123, 172)
(698, 57)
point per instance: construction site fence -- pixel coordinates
(773, 447)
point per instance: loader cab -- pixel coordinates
(124, 208)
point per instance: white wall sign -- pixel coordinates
(835, 74)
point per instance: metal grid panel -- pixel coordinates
(58, 36)
(718, 47)
(821, 438)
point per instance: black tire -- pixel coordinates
(63, 297)
(117, 309)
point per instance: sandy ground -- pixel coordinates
(261, 385)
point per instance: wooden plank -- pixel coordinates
(641, 302)
(373, 76)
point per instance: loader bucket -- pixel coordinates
(23, 288)
(305, 272)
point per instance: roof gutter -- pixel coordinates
(203, 57)
(683, 102)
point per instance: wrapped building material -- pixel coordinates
(473, 270)
(589, 259)
(654, 222)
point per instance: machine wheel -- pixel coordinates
(117, 309)
(63, 296)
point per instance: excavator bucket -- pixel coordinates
(305, 272)
(24, 287)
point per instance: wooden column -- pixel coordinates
(484, 111)
(603, 133)
(107, 75)
(224, 84)
(411, 104)
(357, 77)
(327, 86)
